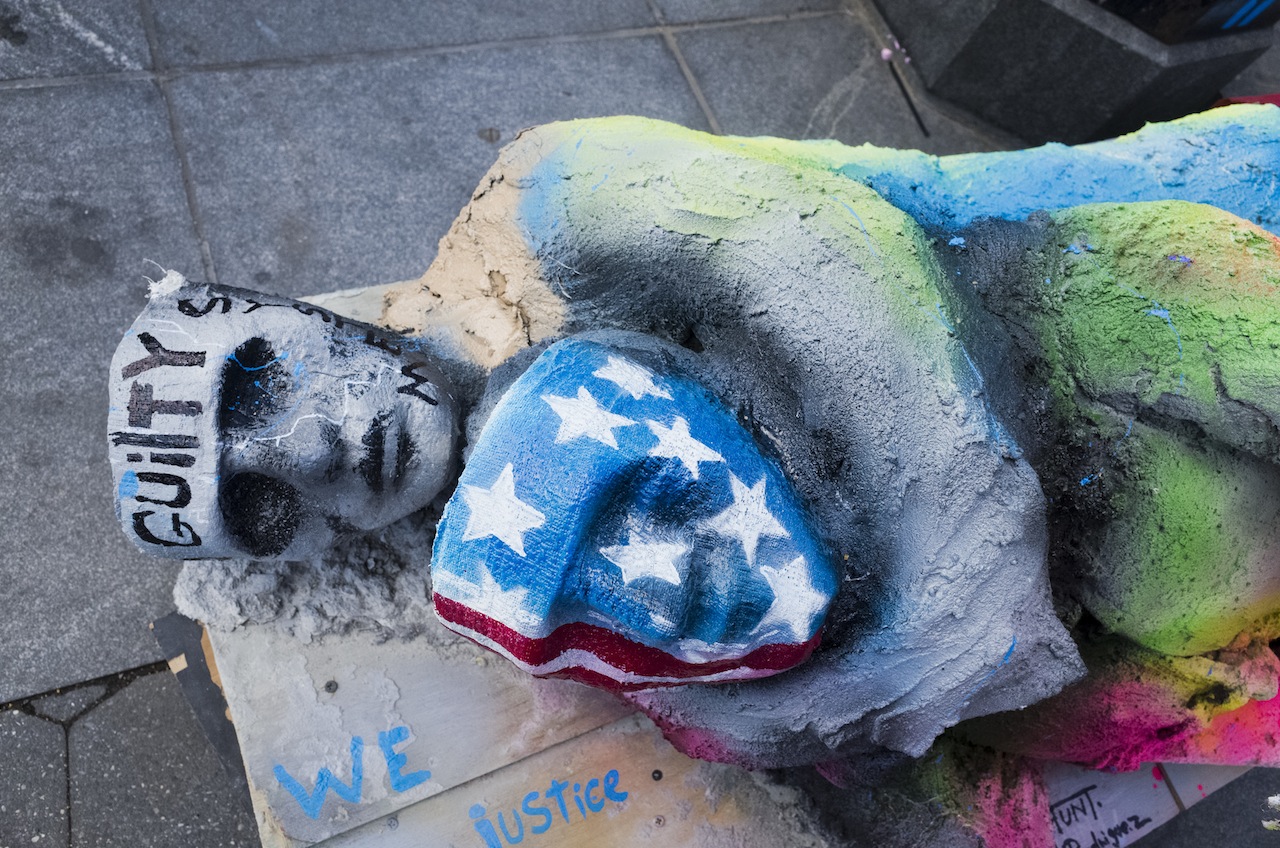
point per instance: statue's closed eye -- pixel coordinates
(261, 512)
(255, 384)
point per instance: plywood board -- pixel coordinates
(661, 799)
(344, 730)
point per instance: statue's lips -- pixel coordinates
(604, 658)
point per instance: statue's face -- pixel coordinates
(263, 427)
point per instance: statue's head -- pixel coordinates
(248, 425)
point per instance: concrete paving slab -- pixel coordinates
(65, 706)
(142, 775)
(689, 11)
(1262, 77)
(945, 128)
(447, 710)
(245, 30)
(1231, 816)
(329, 177)
(765, 79)
(91, 189)
(40, 38)
(33, 782)
(656, 797)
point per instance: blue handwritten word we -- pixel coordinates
(311, 802)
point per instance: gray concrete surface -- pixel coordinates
(302, 149)
(142, 774)
(239, 31)
(65, 707)
(92, 189)
(353, 171)
(33, 781)
(42, 39)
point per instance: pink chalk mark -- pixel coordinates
(1012, 813)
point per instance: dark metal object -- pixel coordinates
(1176, 21)
(1063, 70)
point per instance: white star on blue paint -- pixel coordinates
(631, 378)
(795, 601)
(675, 442)
(748, 517)
(584, 416)
(497, 512)
(641, 557)
(505, 604)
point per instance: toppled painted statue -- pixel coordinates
(726, 397)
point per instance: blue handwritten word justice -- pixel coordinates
(311, 802)
(588, 799)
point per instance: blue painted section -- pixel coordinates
(231, 357)
(1240, 13)
(588, 800)
(387, 741)
(595, 498)
(1228, 157)
(128, 486)
(311, 802)
(1266, 4)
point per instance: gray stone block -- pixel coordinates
(33, 782)
(92, 189)
(43, 39)
(332, 176)
(1062, 70)
(767, 79)
(689, 11)
(142, 775)
(246, 31)
(1263, 76)
(65, 706)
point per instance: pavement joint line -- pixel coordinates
(169, 74)
(865, 13)
(912, 84)
(669, 39)
(179, 140)
(66, 758)
(114, 682)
